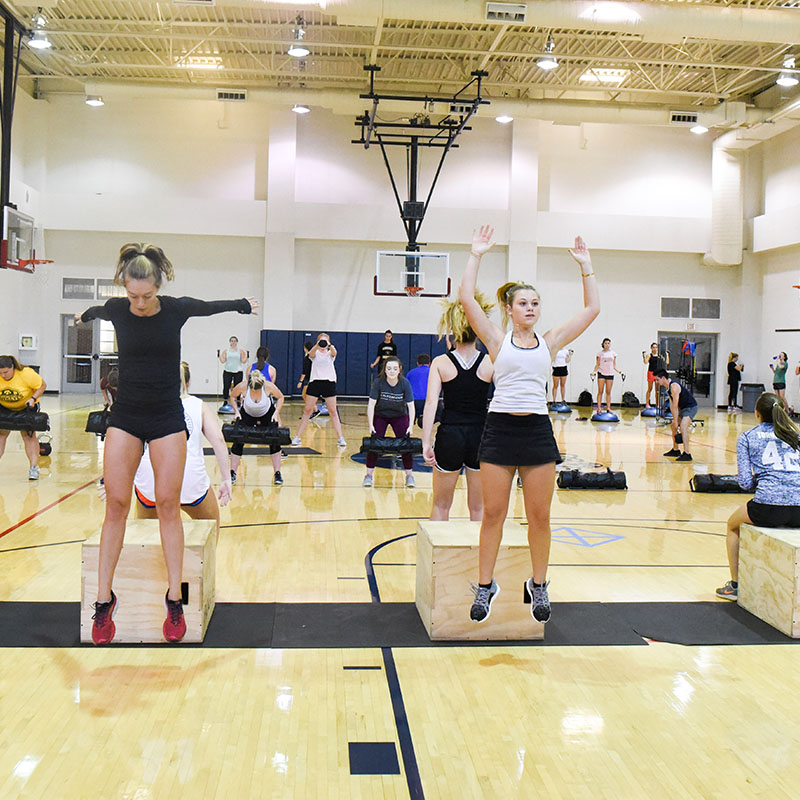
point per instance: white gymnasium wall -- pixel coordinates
(192, 175)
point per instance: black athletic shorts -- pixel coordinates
(605, 377)
(321, 389)
(519, 441)
(560, 372)
(778, 385)
(768, 516)
(457, 446)
(146, 425)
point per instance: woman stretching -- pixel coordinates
(604, 367)
(148, 410)
(518, 433)
(197, 497)
(769, 462)
(391, 402)
(463, 375)
(261, 406)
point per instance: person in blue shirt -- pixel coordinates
(769, 462)
(418, 378)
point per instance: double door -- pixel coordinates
(89, 352)
(696, 371)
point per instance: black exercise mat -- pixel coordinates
(705, 623)
(252, 450)
(346, 625)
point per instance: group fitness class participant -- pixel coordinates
(683, 408)
(322, 384)
(655, 361)
(768, 461)
(391, 402)
(560, 371)
(605, 366)
(261, 403)
(779, 367)
(385, 349)
(148, 410)
(518, 434)
(262, 365)
(20, 388)
(109, 386)
(734, 376)
(463, 375)
(197, 497)
(232, 359)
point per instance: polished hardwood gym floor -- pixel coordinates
(655, 721)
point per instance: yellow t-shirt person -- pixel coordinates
(14, 394)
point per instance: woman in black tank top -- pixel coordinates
(463, 375)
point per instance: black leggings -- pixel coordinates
(230, 379)
(733, 391)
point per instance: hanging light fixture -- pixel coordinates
(548, 60)
(299, 108)
(504, 119)
(297, 49)
(788, 78)
(94, 100)
(37, 39)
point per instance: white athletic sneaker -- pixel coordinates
(296, 441)
(410, 482)
(341, 442)
(33, 474)
(367, 482)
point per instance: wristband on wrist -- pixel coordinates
(473, 253)
(587, 274)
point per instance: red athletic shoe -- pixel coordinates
(103, 628)
(174, 624)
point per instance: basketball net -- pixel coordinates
(414, 291)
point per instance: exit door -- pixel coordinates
(89, 352)
(697, 372)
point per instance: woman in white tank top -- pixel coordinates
(197, 498)
(518, 434)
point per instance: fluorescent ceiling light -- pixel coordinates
(299, 108)
(604, 75)
(504, 119)
(94, 100)
(200, 62)
(610, 12)
(699, 129)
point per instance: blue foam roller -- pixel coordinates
(605, 416)
(650, 412)
(560, 408)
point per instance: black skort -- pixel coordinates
(519, 441)
(560, 372)
(321, 389)
(457, 446)
(769, 516)
(148, 426)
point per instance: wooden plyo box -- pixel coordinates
(447, 561)
(769, 576)
(140, 582)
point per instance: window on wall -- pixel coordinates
(77, 289)
(675, 307)
(705, 308)
(107, 288)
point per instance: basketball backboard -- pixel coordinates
(401, 273)
(17, 245)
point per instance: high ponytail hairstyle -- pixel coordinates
(262, 356)
(139, 262)
(454, 320)
(732, 357)
(772, 411)
(6, 362)
(256, 379)
(186, 376)
(506, 294)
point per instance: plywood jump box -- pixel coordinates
(769, 576)
(140, 582)
(447, 561)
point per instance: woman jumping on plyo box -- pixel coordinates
(518, 434)
(148, 409)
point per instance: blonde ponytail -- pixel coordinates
(506, 294)
(140, 262)
(454, 320)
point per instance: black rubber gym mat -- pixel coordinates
(356, 625)
(253, 450)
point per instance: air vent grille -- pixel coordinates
(705, 308)
(683, 118)
(675, 307)
(506, 12)
(232, 95)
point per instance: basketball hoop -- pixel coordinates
(414, 291)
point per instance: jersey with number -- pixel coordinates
(769, 465)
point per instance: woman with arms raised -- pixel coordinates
(518, 434)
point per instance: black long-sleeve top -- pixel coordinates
(150, 347)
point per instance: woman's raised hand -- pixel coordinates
(482, 240)
(254, 304)
(580, 252)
